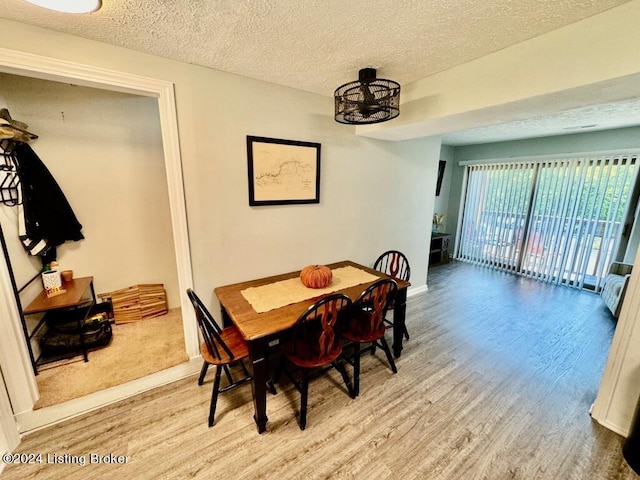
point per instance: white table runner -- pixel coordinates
(285, 292)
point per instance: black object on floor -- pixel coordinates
(631, 446)
(95, 333)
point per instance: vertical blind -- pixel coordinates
(555, 220)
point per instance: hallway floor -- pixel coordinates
(137, 349)
(495, 383)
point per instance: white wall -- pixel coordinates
(105, 151)
(442, 201)
(375, 195)
(9, 437)
(620, 387)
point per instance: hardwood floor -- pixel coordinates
(495, 383)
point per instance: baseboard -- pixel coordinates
(417, 290)
(612, 426)
(44, 417)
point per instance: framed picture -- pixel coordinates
(283, 172)
(441, 167)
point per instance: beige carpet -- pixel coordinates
(137, 349)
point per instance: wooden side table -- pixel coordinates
(439, 249)
(78, 298)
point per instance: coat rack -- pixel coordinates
(11, 131)
(9, 179)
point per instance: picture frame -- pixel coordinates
(282, 172)
(441, 166)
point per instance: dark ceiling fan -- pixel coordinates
(368, 100)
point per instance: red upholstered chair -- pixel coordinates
(313, 345)
(366, 324)
(396, 265)
(221, 347)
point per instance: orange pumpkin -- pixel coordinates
(316, 276)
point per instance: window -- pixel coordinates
(556, 220)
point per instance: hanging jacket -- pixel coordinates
(48, 217)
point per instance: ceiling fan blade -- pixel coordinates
(368, 98)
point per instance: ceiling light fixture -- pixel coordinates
(69, 6)
(368, 100)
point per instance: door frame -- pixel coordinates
(14, 359)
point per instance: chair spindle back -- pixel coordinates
(209, 328)
(314, 334)
(394, 264)
(375, 302)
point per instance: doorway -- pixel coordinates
(14, 359)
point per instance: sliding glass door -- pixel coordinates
(556, 220)
(495, 215)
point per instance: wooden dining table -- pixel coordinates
(258, 329)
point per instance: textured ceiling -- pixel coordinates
(316, 45)
(587, 119)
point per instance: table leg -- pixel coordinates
(399, 313)
(93, 302)
(81, 323)
(258, 351)
(93, 293)
(226, 319)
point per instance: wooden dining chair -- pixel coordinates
(366, 324)
(395, 264)
(222, 348)
(313, 346)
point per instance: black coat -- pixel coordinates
(47, 213)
